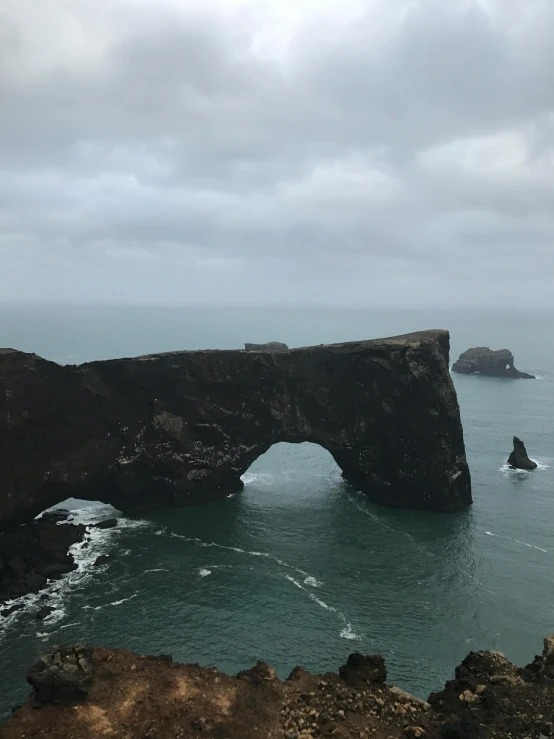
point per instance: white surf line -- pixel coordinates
(417, 545)
(517, 541)
(309, 579)
(156, 569)
(346, 632)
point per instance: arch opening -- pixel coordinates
(294, 465)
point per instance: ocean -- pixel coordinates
(301, 568)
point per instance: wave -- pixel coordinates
(309, 579)
(508, 471)
(348, 633)
(517, 541)
(260, 478)
(100, 541)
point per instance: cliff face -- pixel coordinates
(180, 428)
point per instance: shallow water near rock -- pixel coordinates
(300, 568)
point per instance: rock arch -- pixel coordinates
(182, 427)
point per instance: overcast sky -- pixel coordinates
(396, 152)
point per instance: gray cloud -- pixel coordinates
(400, 152)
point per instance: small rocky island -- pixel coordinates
(518, 459)
(87, 693)
(484, 361)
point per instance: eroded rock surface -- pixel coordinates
(484, 361)
(179, 428)
(63, 675)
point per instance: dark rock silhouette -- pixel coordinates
(182, 427)
(108, 523)
(271, 346)
(63, 675)
(518, 459)
(32, 554)
(484, 361)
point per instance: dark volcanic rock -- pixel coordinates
(364, 669)
(271, 346)
(484, 361)
(60, 514)
(462, 729)
(34, 552)
(102, 560)
(518, 459)
(180, 428)
(63, 675)
(109, 523)
(43, 612)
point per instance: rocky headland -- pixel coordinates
(484, 361)
(179, 428)
(85, 693)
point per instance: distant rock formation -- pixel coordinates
(181, 428)
(518, 459)
(271, 346)
(484, 361)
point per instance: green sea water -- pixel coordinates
(301, 568)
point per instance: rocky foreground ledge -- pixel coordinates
(85, 693)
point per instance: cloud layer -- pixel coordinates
(390, 151)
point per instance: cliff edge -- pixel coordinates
(102, 693)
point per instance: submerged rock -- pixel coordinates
(108, 523)
(43, 612)
(271, 346)
(518, 459)
(484, 361)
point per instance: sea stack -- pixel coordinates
(271, 346)
(518, 459)
(484, 361)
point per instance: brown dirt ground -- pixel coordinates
(137, 697)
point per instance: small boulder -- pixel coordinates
(361, 669)
(43, 612)
(11, 609)
(548, 651)
(57, 679)
(518, 459)
(258, 674)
